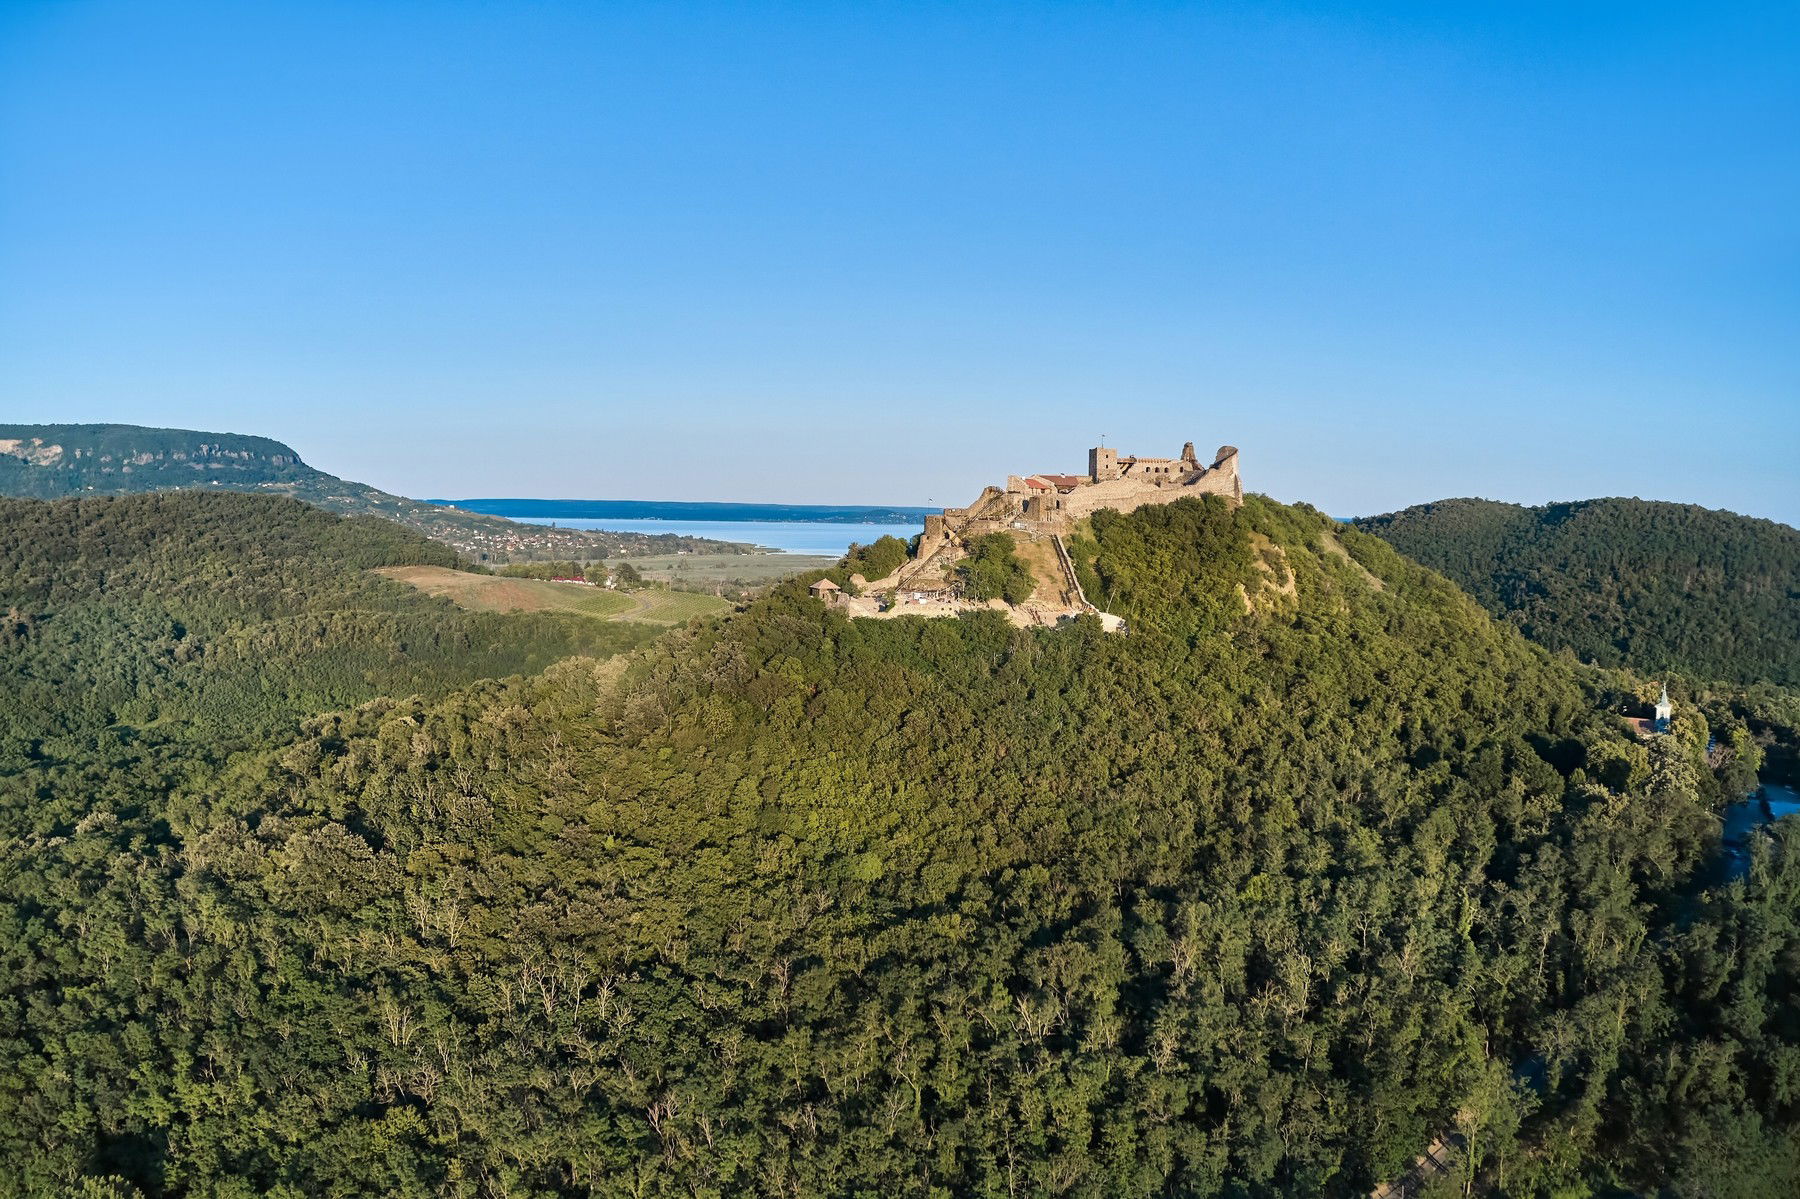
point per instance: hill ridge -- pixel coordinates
(51, 461)
(1652, 584)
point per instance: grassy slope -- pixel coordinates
(1039, 555)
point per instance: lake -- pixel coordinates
(788, 536)
(1769, 803)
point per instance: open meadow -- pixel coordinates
(492, 593)
(750, 570)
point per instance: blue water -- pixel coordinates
(788, 536)
(1769, 803)
(850, 514)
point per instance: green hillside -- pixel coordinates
(217, 620)
(53, 461)
(1656, 586)
(1316, 866)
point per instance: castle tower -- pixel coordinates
(1103, 464)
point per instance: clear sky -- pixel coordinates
(890, 252)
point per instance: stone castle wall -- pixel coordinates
(1126, 495)
(1054, 504)
(1125, 484)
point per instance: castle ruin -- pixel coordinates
(1053, 504)
(1038, 510)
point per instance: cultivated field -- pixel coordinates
(673, 607)
(746, 569)
(491, 593)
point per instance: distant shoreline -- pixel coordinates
(540, 509)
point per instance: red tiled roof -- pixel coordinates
(1039, 482)
(1064, 480)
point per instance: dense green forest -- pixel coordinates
(53, 461)
(1656, 586)
(1318, 864)
(219, 619)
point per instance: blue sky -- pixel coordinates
(890, 252)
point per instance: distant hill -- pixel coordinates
(53, 461)
(1655, 586)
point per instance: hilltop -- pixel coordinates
(1655, 586)
(1021, 548)
(52, 461)
(1315, 866)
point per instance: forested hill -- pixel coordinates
(1315, 866)
(1656, 586)
(216, 620)
(51, 461)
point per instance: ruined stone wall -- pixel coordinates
(981, 526)
(991, 504)
(1128, 494)
(1121, 484)
(1162, 481)
(1153, 470)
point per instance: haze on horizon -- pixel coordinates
(842, 253)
